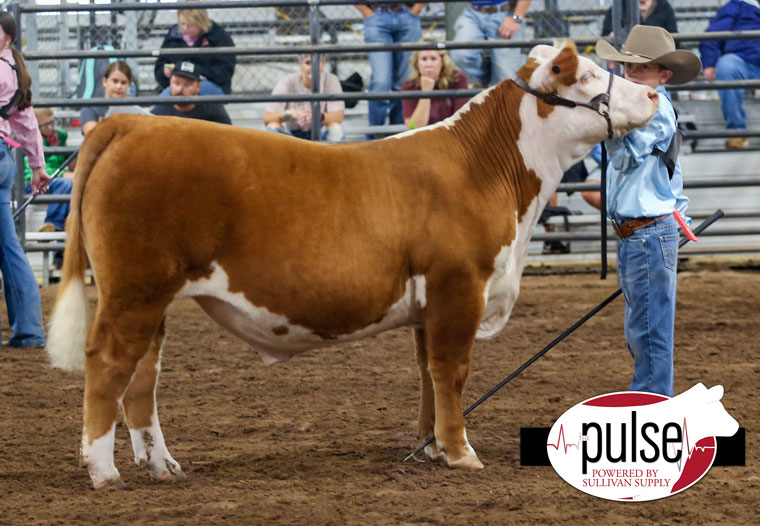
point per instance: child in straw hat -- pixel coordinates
(641, 198)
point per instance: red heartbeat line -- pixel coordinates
(686, 442)
(561, 438)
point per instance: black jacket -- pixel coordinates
(216, 68)
(662, 15)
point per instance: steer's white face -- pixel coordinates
(631, 105)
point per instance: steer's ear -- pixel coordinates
(547, 68)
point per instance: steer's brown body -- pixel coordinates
(293, 245)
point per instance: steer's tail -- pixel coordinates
(70, 323)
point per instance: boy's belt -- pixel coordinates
(626, 230)
(507, 6)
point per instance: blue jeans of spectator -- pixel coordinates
(56, 212)
(647, 264)
(473, 25)
(733, 67)
(207, 88)
(389, 69)
(22, 295)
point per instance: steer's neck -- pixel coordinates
(502, 144)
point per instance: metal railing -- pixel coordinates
(316, 20)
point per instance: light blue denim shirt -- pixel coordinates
(637, 180)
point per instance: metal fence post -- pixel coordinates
(316, 80)
(64, 80)
(617, 22)
(451, 14)
(130, 42)
(634, 14)
(32, 44)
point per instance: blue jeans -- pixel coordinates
(56, 212)
(22, 295)
(733, 67)
(389, 69)
(474, 25)
(647, 264)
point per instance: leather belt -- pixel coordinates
(508, 6)
(626, 230)
(391, 8)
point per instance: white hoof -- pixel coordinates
(433, 453)
(469, 460)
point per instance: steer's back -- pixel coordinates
(321, 234)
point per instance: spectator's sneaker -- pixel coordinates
(737, 143)
(556, 247)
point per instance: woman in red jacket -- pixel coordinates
(432, 69)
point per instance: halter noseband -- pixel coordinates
(603, 99)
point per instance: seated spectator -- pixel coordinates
(578, 173)
(196, 31)
(294, 118)
(652, 13)
(52, 136)
(432, 69)
(490, 20)
(186, 82)
(733, 60)
(116, 82)
(389, 23)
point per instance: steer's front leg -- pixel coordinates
(453, 313)
(427, 397)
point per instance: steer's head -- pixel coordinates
(560, 71)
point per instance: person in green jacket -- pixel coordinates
(52, 136)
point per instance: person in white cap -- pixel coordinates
(186, 82)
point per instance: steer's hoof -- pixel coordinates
(112, 483)
(170, 477)
(433, 453)
(168, 471)
(469, 461)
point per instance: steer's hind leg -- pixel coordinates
(141, 415)
(118, 340)
(453, 314)
(427, 397)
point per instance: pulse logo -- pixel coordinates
(635, 446)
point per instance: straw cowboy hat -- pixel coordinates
(653, 44)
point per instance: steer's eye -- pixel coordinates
(588, 76)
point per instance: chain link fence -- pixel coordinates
(283, 26)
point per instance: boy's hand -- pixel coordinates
(709, 74)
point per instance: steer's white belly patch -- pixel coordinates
(272, 335)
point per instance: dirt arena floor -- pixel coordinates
(319, 440)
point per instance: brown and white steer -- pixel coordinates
(293, 245)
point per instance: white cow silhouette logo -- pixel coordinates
(639, 446)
